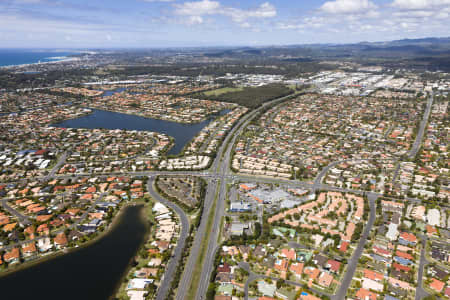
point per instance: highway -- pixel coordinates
(222, 164)
(416, 146)
(195, 250)
(218, 176)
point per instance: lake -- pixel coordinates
(92, 272)
(182, 133)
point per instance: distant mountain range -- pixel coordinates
(425, 53)
(425, 46)
(408, 42)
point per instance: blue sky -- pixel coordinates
(163, 23)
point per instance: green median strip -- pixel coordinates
(203, 249)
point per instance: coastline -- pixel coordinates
(60, 60)
(27, 264)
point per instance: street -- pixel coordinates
(353, 262)
(176, 256)
(218, 176)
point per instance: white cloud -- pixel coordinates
(347, 6)
(16, 27)
(414, 14)
(288, 26)
(419, 4)
(337, 21)
(265, 10)
(372, 14)
(193, 20)
(313, 22)
(443, 15)
(27, 1)
(367, 21)
(196, 9)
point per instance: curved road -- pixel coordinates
(176, 256)
(323, 172)
(218, 175)
(420, 292)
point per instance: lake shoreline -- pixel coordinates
(97, 269)
(182, 133)
(34, 262)
(146, 220)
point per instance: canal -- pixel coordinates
(182, 133)
(91, 272)
(107, 93)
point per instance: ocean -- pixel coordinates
(11, 57)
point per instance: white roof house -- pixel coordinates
(160, 208)
(392, 233)
(137, 295)
(433, 217)
(370, 284)
(138, 283)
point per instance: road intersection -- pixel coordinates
(218, 176)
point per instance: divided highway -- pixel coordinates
(218, 177)
(189, 268)
(416, 146)
(222, 164)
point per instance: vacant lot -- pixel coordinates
(252, 96)
(223, 91)
(186, 190)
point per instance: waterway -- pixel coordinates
(107, 93)
(182, 133)
(91, 272)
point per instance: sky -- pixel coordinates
(180, 23)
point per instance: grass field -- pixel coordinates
(250, 97)
(223, 91)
